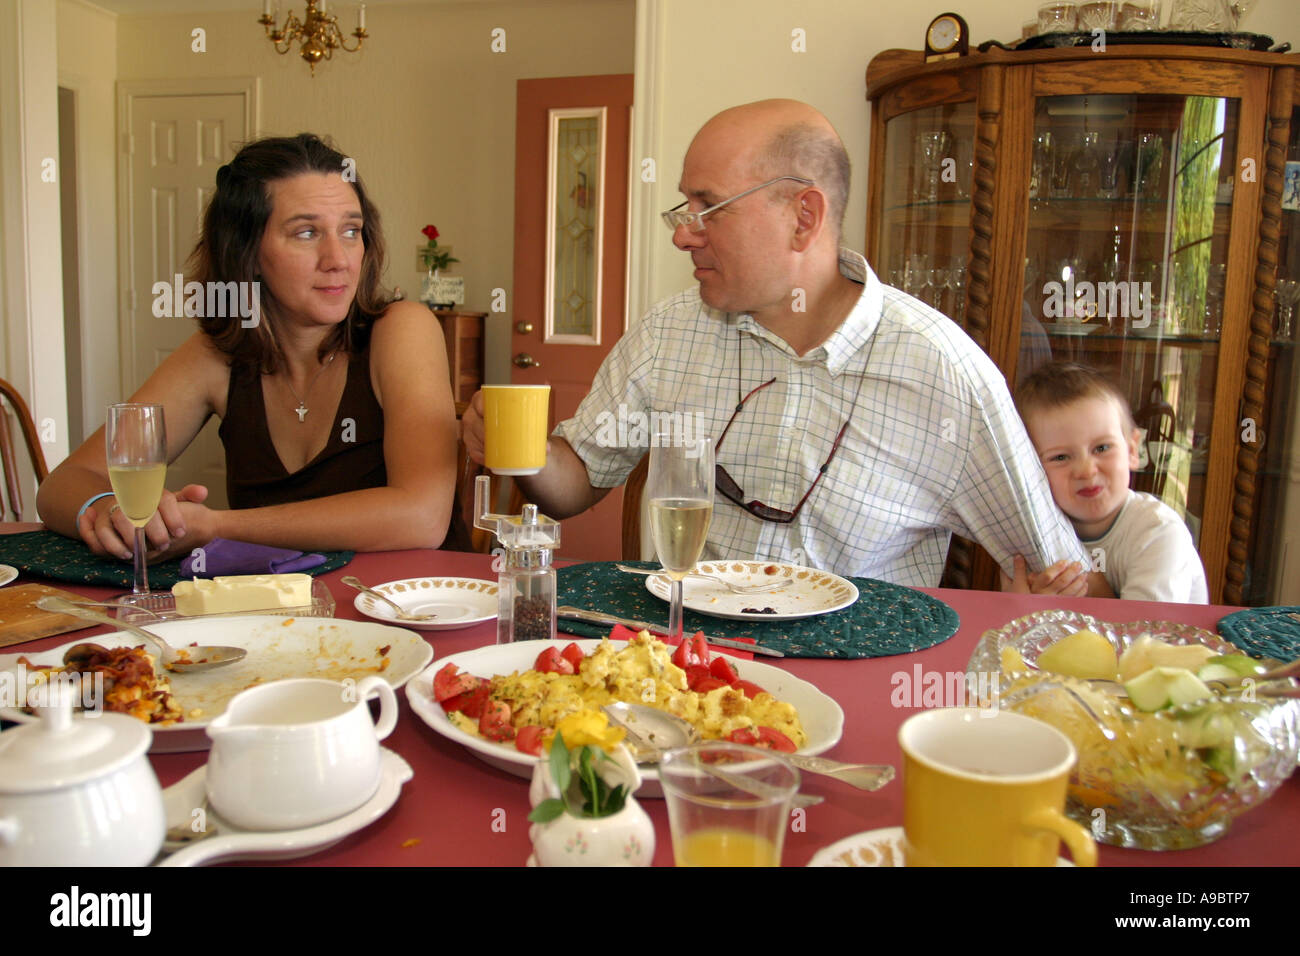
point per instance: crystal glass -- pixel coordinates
(957, 283)
(931, 147)
(136, 445)
(1085, 167)
(1149, 158)
(1159, 777)
(1057, 18)
(680, 489)
(938, 282)
(1288, 296)
(1097, 15)
(1041, 170)
(1062, 164)
(1138, 15)
(1110, 165)
(1201, 16)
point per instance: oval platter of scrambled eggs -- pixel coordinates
(623, 670)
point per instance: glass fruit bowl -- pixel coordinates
(1166, 780)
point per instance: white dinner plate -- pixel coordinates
(7, 574)
(278, 648)
(821, 716)
(807, 592)
(228, 842)
(458, 602)
(883, 847)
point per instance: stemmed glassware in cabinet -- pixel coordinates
(1288, 296)
(680, 489)
(931, 148)
(136, 444)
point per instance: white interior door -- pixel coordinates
(175, 144)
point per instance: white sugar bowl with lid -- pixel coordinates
(79, 791)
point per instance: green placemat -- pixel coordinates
(1265, 631)
(886, 619)
(50, 555)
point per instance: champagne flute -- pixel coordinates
(680, 487)
(136, 443)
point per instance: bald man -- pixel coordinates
(855, 428)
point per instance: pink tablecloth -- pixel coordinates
(459, 811)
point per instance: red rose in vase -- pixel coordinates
(431, 232)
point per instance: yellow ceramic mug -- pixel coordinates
(987, 788)
(514, 421)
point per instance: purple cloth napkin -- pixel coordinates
(221, 556)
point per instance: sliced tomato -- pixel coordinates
(573, 654)
(692, 651)
(765, 737)
(448, 683)
(694, 674)
(621, 633)
(748, 688)
(495, 722)
(469, 703)
(707, 684)
(529, 739)
(551, 661)
(723, 669)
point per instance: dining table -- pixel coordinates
(457, 810)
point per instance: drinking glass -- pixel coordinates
(1139, 15)
(1040, 174)
(957, 283)
(1150, 152)
(1201, 16)
(1063, 164)
(938, 281)
(1097, 15)
(1216, 279)
(136, 443)
(1056, 18)
(931, 148)
(680, 486)
(1111, 163)
(1288, 296)
(1085, 171)
(916, 273)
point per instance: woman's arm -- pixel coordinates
(186, 384)
(408, 367)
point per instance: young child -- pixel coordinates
(1083, 430)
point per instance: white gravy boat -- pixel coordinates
(295, 753)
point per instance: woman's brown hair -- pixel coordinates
(230, 242)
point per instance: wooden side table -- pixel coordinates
(465, 352)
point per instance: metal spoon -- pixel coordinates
(660, 730)
(187, 659)
(402, 613)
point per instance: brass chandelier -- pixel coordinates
(318, 33)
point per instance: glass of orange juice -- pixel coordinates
(728, 804)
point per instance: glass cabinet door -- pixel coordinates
(924, 230)
(1130, 200)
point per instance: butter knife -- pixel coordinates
(597, 617)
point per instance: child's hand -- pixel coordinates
(1067, 578)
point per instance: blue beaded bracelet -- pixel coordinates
(90, 501)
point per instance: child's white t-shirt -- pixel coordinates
(1148, 554)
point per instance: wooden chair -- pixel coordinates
(13, 480)
(632, 491)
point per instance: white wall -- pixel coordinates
(31, 294)
(87, 65)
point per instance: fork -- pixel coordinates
(734, 588)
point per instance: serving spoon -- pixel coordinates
(185, 660)
(657, 731)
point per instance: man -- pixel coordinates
(855, 428)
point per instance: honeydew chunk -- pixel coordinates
(1229, 667)
(1084, 654)
(242, 592)
(1162, 687)
(1147, 652)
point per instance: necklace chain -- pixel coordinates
(302, 409)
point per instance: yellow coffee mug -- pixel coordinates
(986, 787)
(514, 421)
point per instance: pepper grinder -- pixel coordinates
(526, 578)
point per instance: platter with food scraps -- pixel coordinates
(821, 716)
(278, 648)
(807, 592)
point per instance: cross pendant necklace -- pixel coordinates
(301, 410)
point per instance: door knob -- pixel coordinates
(524, 360)
(523, 328)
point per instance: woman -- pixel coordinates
(336, 407)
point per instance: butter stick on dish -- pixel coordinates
(242, 592)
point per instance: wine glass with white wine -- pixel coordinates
(136, 442)
(680, 487)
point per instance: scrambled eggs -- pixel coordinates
(640, 673)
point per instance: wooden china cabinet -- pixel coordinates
(1128, 209)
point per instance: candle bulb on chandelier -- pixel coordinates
(361, 17)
